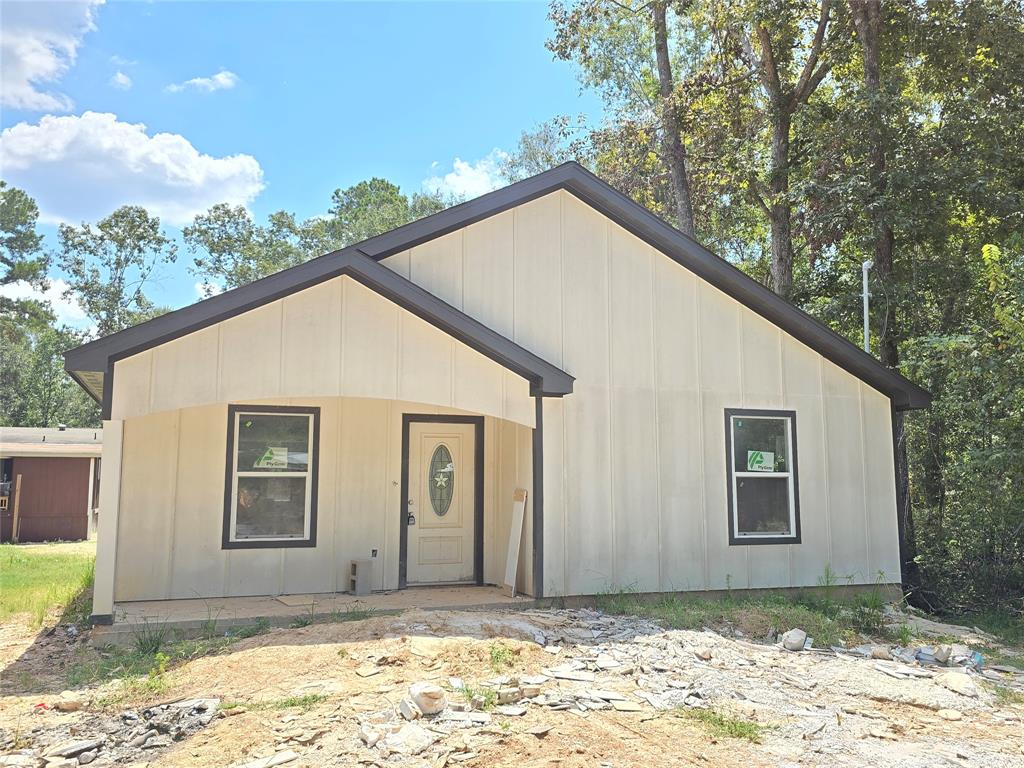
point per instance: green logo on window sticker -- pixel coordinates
(760, 461)
(274, 457)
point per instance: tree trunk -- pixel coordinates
(779, 206)
(867, 20)
(672, 140)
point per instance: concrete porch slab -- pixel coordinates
(195, 617)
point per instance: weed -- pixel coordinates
(904, 635)
(488, 697)
(149, 638)
(250, 630)
(343, 653)
(501, 657)
(722, 725)
(301, 702)
(1007, 696)
(209, 628)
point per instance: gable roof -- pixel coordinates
(91, 364)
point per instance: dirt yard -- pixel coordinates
(538, 688)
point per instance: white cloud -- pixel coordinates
(469, 180)
(121, 81)
(222, 81)
(39, 42)
(84, 167)
(67, 310)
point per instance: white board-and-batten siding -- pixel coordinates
(172, 502)
(634, 459)
(337, 338)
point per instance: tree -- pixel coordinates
(623, 49)
(109, 265)
(375, 206)
(238, 251)
(21, 254)
(771, 40)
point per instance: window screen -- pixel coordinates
(763, 504)
(272, 477)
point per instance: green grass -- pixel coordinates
(488, 696)
(502, 657)
(301, 702)
(720, 725)
(829, 621)
(1006, 696)
(38, 579)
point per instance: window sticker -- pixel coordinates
(275, 457)
(760, 461)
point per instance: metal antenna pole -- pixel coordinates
(867, 297)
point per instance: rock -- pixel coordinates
(880, 652)
(540, 731)
(409, 709)
(794, 640)
(74, 748)
(67, 702)
(509, 695)
(958, 682)
(18, 760)
(369, 734)
(531, 691)
(510, 711)
(428, 697)
(942, 653)
(410, 739)
(626, 706)
(280, 758)
(950, 714)
(704, 654)
(87, 757)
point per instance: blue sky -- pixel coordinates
(272, 105)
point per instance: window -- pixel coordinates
(271, 480)
(761, 463)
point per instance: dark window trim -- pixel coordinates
(314, 477)
(744, 540)
(478, 492)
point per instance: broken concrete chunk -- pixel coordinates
(540, 731)
(510, 710)
(626, 706)
(369, 734)
(509, 695)
(942, 653)
(73, 748)
(430, 698)
(880, 652)
(410, 739)
(950, 714)
(958, 682)
(704, 654)
(285, 756)
(794, 640)
(409, 709)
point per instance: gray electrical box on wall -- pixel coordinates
(361, 576)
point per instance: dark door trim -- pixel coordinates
(478, 491)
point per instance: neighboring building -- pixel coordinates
(387, 400)
(59, 470)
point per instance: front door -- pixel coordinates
(440, 521)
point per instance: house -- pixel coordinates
(385, 401)
(51, 476)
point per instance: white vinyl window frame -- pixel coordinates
(735, 535)
(230, 539)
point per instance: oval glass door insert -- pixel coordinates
(442, 480)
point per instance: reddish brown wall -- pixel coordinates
(54, 495)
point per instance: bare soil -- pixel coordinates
(813, 708)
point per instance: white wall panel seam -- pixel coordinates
(169, 580)
(656, 386)
(785, 404)
(824, 456)
(701, 437)
(741, 340)
(611, 400)
(864, 484)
